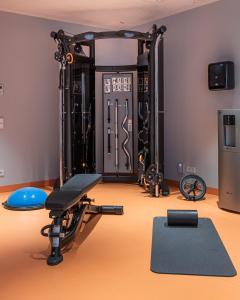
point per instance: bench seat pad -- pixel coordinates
(72, 191)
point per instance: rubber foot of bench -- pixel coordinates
(54, 260)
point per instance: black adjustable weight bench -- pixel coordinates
(71, 209)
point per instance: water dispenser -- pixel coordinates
(229, 159)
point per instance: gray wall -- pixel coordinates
(29, 142)
(193, 40)
(116, 52)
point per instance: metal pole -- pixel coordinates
(83, 109)
(116, 137)
(61, 127)
(157, 110)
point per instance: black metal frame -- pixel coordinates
(67, 223)
(152, 42)
(110, 69)
(151, 148)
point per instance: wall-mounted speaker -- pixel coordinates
(221, 76)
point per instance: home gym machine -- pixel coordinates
(77, 108)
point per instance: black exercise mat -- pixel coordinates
(189, 250)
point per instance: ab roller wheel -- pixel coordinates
(192, 187)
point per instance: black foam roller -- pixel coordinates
(182, 218)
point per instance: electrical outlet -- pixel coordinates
(1, 89)
(1, 123)
(190, 169)
(2, 172)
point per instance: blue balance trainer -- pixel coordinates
(29, 198)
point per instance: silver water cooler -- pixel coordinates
(229, 159)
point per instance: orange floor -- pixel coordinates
(114, 261)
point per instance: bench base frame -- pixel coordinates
(67, 223)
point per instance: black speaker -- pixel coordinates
(221, 76)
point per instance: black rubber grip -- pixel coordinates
(109, 112)
(109, 140)
(111, 210)
(182, 218)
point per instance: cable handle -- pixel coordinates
(43, 230)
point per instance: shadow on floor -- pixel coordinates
(74, 244)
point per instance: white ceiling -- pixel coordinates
(114, 14)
